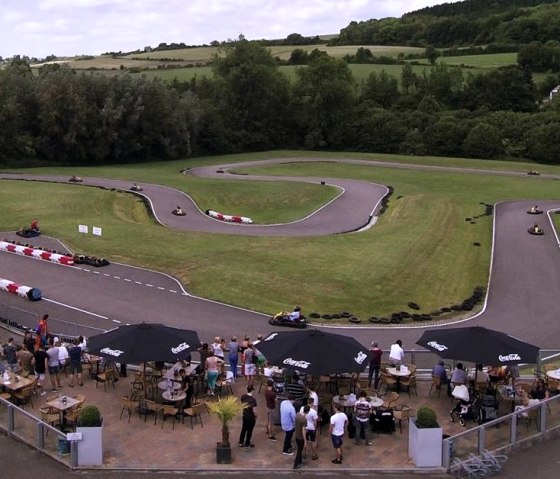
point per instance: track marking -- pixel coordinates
(116, 321)
(161, 288)
(149, 285)
(127, 280)
(137, 282)
(74, 308)
(117, 277)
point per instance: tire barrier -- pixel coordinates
(36, 253)
(33, 294)
(229, 218)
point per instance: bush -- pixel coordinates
(426, 418)
(90, 416)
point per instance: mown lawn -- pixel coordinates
(420, 250)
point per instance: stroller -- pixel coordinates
(488, 408)
(465, 408)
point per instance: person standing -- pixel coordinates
(233, 356)
(288, 422)
(396, 356)
(270, 398)
(25, 361)
(42, 331)
(362, 413)
(187, 386)
(218, 347)
(300, 433)
(75, 358)
(40, 360)
(249, 418)
(249, 358)
(54, 368)
(374, 364)
(311, 431)
(338, 424)
(10, 355)
(213, 364)
(29, 342)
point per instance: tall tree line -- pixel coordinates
(62, 117)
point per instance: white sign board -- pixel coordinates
(96, 230)
(74, 436)
(83, 229)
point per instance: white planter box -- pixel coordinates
(425, 445)
(90, 448)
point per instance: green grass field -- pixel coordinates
(421, 249)
(492, 60)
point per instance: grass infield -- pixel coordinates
(421, 249)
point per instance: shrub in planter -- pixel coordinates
(90, 416)
(426, 418)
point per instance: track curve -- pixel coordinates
(522, 292)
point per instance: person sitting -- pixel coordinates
(534, 209)
(295, 315)
(535, 228)
(439, 371)
(75, 178)
(539, 391)
(34, 225)
(136, 187)
(178, 211)
(459, 375)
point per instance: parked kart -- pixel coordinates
(28, 233)
(90, 260)
(75, 179)
(534, 211)
(533, 173)
(283, 319)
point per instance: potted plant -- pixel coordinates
(90, 447)
(425, 439)
(226, 409)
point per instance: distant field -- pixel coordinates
(493, 60)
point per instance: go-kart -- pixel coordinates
(178, 212)
(534, 211)
(533, 173)
(283, 319)
(90, 260)
(75, 179)
(28, 233)
(535, 231)
(135, 188)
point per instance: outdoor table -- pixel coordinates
(347, 403)
(399, 373)
(92, 359)
(273, 372)
(509, 394)
(170, 373)
(169, 382)
(62, 404)
(14, 383)
(554, 374)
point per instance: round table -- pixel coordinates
(174, 384)
(400, 373)
(554, 374)
(347, 403)
(177, 397)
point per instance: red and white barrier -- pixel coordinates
(36, 253)
(229, 218)
(33, 294)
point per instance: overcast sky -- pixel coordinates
(38, 28)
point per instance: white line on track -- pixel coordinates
(117, 277)
(106, 274)
(74, 308)
(149, 285)
(116, 321)
(127, 280)
(137, 282)
(162, 289)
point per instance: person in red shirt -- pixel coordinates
(35, 225)
(42, 331)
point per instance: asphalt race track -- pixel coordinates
(522, 294)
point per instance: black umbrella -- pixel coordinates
(478, 345)
(138, 343)
(314, 352)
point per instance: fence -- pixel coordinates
(18, 423)
(508, 432)
(23, 320)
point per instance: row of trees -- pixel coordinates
(63, 117)
(461, 23)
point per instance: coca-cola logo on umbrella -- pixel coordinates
(179, 348)
(112, 352)
(297, 363)
(509, 357)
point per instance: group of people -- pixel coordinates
(45, 353)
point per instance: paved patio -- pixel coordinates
(144, 446)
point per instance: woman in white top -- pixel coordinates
(218, 347)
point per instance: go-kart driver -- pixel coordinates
(295, 315)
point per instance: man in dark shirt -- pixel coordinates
(249, 418)
(374, 364)
(270, 397)
(186, 386)
(296, 388)
(40, 359)
(75, 356)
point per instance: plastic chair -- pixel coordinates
(105, 377)
(436, 383)
(389, 400)
(194, 412)
(168, 410)
(128, 405)
(23, 396)
(50, 416)
(402, 414)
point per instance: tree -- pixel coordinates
(483, 141)
(380, 89)
(431, 54)
(542, 143)
(324, 98)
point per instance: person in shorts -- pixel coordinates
(75, 366)
(311, 430)
(40, 360)
(338, 424)
(54, 367)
